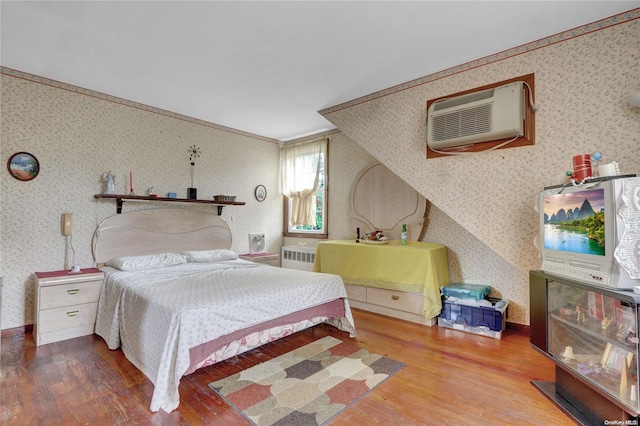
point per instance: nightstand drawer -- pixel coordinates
(69, 294)
(67, 317)
(402, 301)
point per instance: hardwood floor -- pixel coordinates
(451, 378)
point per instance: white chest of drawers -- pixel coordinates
(398, 304)
(66, 304)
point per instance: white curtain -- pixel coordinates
(300, 167)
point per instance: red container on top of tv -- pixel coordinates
(582, 167)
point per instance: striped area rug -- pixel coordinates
(307, 386)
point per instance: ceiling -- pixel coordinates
(268, 67)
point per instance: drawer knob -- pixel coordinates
(73, 291)
(394, 297)
(72, 313)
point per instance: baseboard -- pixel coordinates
(17, 331)
(518, 327)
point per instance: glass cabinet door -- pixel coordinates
(596, 336)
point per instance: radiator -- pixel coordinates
(300, 258)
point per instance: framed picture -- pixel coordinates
(596, 304)
(616, 358)
(261, 193)
(625, 319)
(23, 166)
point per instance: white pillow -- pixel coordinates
(152, 261)
(210, 255)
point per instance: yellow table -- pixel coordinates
(417, 267)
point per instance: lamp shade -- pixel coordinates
(635, 100)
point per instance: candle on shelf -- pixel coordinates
(130, 181)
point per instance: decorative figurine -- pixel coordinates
(605, 323)
(194, 152)
(375, 236)
(568, 353)
(581, 316)
(109, 180)
(596, 157)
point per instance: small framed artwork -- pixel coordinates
(261, 193)
(616, 358)
(626, 319)
(23, 166)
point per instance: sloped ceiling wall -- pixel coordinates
(583, 79)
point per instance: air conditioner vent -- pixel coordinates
(462, 100)
(487, 115)
(462, 123)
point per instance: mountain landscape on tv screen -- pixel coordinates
(578, 229)
(578, 213)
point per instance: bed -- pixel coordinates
(176, 299)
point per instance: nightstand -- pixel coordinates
(271, 259)
(66, 304)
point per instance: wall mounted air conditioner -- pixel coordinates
(487, 115)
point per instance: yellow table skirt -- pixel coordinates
(417, 267)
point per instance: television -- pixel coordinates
(591, 231)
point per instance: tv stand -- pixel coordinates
(591, 334)
(552, 391)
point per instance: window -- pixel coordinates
(304, 176)
(319, 227)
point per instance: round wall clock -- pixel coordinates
(261, 193)
(23, 166)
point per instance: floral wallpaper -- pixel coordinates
(77, 135)
(483, 204)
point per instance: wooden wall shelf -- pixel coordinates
(121, 198)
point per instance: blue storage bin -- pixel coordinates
(475, 316)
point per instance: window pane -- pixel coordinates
(304, 173)
(320, 210)
(319, 228)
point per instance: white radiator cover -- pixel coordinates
(300, 258)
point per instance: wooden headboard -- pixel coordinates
(154, 231)
(379, 199)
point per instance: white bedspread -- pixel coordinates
(157, 315)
